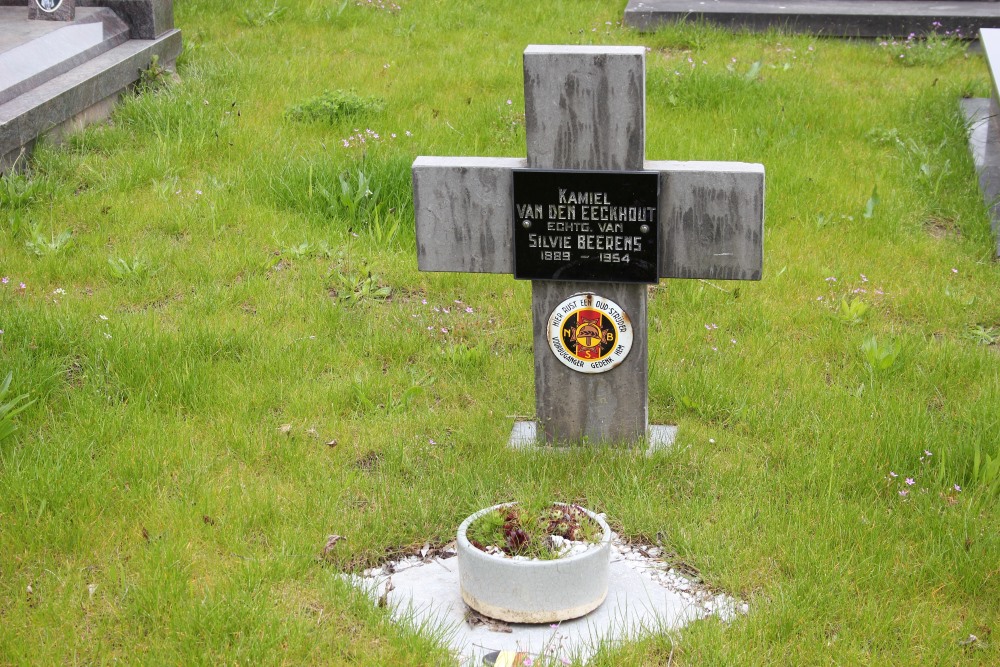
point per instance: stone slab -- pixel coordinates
(32, 52)
(63, 98)
(834, 18)
(147, 19)
(644, 597)
(524, 435)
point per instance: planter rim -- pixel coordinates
(464, 541)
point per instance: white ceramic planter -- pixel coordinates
(533, 591)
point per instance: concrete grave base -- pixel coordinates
(525, 435)
(645, 596)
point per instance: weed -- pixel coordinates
(870, 205)
(986, 470)
(19, 190)
(753, 73)
(333, 106)
(925, 161)
(882, 137)
(125, 270)
(306, 249)
(42, 246)
(9, 408)
(879, 357)
(367, 398)
(381, 5)
(255, 17)
(356, 197)
(353, 289)
(852, 311)
(983, 335)
(383, 230)
(933, 49)
(465, 357)
(824, 220)
(154, 78)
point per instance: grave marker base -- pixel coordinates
(525, 435)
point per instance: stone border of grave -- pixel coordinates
(982, 117)
(87, 93)
(533, 591)
(830, 18)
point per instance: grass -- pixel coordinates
(235, 356)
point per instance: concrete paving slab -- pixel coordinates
(645, 595)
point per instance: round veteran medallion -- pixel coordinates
(589, 333)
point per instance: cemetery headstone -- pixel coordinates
(983, 126)
(52, 10)
(591, 223)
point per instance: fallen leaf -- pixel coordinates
(285, 429)
(145, 534)
(209, 520)
(474, 618)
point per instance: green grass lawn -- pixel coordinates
(233, 355)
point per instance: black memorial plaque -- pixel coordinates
(596, 226)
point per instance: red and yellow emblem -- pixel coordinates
(589, 333)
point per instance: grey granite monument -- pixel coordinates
(983, 125)
(52, 10)
(585, 118)
(58, 76)
(830, 18)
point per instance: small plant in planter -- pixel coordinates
(534, 564)
(531, 532)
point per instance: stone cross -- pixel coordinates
(585, 110)
(52, 10)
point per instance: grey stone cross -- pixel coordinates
(585, 110)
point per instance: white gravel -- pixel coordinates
(645, 559)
